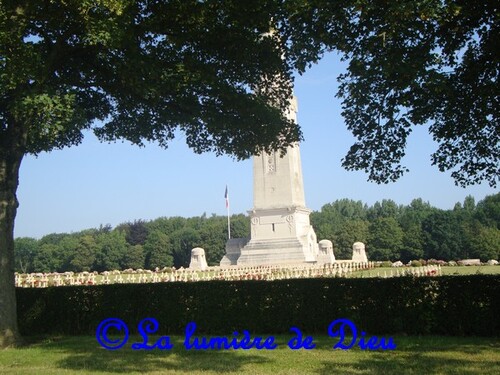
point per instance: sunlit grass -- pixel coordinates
(448, 270)
(413, 355)
(471, 270)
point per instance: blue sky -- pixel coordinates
(98, 183)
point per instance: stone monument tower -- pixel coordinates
(281, 232)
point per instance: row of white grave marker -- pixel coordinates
(41, 280)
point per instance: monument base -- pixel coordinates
(242, 252)
(233, 251)
(279, 251)
(278, 236)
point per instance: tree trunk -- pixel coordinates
(10, 162)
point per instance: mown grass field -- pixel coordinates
(448, 270)
(413, 355)
(471, 270)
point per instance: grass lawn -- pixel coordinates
(448, 270)
(413, 355)
(471, 270)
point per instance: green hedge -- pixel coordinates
(449, 305)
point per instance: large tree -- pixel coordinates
(25, 249)
(111, 248)
(385, 239)
(444, 236)
(136, 70)
(84, 255)
(157, 250)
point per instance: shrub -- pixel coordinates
(461, 305)
(435, 262)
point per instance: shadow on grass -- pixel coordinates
(85, 354)
(423, 355)
(413, 355)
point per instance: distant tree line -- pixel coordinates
(416, 231)
(164, 242)
(390, 232)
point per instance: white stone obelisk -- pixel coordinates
(281, 232)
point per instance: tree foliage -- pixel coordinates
(158, 253)
(84, 257)
(25, 250)
(413, 244)
(348, 233)
(47, 258)
(137, 232)
(144, 69)
(443, 235)
(412, 63)
(111, 248)
(385, 239)
(134, 257)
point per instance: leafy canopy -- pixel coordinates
(148, 69)
(144, 69)
(412, 62)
